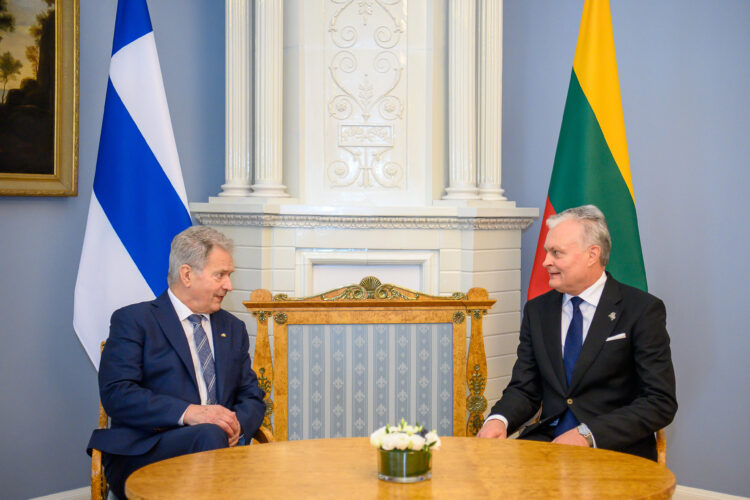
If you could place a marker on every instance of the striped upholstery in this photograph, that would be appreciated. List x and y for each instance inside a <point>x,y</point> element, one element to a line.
<point>348,380</point>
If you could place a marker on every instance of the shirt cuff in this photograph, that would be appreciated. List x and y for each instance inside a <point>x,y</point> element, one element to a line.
<point>182,418</point>
<point>593,441</point>
<point>500,418</point>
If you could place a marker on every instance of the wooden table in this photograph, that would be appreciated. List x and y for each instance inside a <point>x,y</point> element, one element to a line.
<point>347,468</point>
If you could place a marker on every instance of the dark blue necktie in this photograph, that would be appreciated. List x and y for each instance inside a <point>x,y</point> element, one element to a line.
<point>574,338</point>
<point>571,350</point>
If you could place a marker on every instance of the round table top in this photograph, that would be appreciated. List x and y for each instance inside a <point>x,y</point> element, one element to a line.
<point>347,468</point>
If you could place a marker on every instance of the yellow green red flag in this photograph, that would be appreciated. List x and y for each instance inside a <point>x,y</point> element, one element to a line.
<point>591,162</point>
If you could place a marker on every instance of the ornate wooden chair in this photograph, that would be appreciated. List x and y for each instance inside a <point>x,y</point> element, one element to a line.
<point>99,486</point>
<point>352,359</point>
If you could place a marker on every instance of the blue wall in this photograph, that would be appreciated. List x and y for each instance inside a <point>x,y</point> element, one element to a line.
<point>686,96</point>
<point>685,82</point>
<point>48,386</point>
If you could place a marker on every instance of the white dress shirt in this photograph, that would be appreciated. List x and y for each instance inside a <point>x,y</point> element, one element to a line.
<point>590,299</point>
<point>183,312</point>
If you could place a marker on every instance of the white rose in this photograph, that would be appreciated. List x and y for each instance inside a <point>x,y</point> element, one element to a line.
<point>376,438</point>
<point>401,441</point>
<point>416,442</point>
<point>432,437</point>
<point>389,441</point>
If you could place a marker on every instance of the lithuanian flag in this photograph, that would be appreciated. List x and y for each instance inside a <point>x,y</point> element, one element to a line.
<point>591,163</point>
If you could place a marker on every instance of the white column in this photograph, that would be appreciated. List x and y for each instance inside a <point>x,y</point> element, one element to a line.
<point>238,106</point>
<point>490,99</point>
<point>461,100</point>
<point>269,50</point>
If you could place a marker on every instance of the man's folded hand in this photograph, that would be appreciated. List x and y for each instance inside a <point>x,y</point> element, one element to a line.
<point>214,414</point>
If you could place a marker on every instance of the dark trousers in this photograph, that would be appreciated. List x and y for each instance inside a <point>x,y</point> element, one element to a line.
<point>172,443</point>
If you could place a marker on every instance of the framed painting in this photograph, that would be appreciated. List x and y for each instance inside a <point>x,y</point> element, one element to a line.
<point>39,97</point>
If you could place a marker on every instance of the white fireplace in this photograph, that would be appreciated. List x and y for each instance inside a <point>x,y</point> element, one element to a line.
<point>363,138</point>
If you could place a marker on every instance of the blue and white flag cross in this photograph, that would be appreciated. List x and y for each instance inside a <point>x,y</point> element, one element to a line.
<point>139,202</point>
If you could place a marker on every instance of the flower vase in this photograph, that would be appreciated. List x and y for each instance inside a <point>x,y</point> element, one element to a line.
<point>404,466</point>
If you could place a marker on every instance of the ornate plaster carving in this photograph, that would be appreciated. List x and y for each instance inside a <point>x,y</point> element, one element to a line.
<point>365,99</point>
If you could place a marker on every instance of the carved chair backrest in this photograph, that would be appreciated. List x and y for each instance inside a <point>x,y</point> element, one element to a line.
<point>355,328</point>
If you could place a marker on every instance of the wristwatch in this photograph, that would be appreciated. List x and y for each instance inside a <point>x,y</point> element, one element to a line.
<point>584,431</point>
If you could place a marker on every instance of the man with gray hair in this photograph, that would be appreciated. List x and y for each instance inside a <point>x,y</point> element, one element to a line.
<point>593,352</point>
<point>175,374</point>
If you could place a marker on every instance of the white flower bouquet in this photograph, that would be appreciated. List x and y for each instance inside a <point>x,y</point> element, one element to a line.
<point>404,452</point>
<point>404,437</point>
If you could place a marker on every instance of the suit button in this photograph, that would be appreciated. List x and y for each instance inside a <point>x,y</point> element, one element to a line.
<point>569,401</point>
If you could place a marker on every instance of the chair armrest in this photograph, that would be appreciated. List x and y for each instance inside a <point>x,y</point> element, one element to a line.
<point>99,488</point>
<point>264,435</point>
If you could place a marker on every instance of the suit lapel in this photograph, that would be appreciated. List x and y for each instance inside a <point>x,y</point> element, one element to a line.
<point>172,328</point>
<point>601,327</point>
<point>551,335</point>
<point>222,353</point>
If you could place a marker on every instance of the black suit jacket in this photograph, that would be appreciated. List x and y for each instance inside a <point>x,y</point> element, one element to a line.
<point>147,379</point>
<point>623,389</point>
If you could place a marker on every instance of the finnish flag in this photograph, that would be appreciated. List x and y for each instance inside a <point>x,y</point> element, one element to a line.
<point>139,202</point>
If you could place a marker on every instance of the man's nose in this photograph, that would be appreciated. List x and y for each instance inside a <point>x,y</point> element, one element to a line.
<point>228,284</point>
<point>547,260</point>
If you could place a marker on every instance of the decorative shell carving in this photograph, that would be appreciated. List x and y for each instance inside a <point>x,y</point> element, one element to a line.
<point>370,283</point>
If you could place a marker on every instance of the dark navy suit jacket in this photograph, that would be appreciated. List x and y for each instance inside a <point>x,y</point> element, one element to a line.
<point>622,388</point>
<point>147,379</point>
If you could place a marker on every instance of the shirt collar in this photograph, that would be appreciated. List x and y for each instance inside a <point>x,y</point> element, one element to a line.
<point>592,294</point>
<point>180,308</point>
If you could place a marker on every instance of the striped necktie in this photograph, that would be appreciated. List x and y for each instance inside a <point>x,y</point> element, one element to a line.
<point>205,357</point>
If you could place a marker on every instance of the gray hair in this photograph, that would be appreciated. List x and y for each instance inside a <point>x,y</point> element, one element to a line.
<point>595,230</point>
<point>192,247</point>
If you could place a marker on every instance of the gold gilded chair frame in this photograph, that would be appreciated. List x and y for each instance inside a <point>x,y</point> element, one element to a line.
<point>371,302</point>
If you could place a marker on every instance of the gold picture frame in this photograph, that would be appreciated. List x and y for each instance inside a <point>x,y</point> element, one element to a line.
<point>63,180</point>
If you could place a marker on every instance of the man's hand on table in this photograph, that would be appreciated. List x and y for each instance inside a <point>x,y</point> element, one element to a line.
<point>572,437</point>
<point>493,429</point>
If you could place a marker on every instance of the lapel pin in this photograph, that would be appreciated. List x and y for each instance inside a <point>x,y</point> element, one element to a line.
<point>223,335</point>
<point>612,316</point>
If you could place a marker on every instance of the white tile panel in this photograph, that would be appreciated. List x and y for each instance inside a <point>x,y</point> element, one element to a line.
<point>500,366</point>
<point>498,323</point>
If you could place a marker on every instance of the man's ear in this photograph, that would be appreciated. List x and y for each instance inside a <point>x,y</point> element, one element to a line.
<point>186,275</point>
<point>595,252</point>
